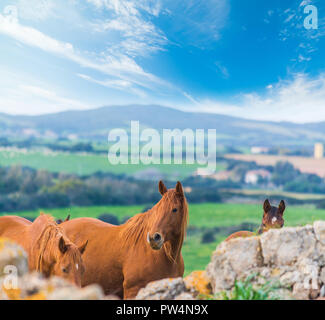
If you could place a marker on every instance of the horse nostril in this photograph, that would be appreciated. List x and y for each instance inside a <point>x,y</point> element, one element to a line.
<point>157,237</point>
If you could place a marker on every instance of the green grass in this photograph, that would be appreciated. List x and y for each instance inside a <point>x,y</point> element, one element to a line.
<point>197,255</point>
<point>84,164</point>
<point>245,290</point>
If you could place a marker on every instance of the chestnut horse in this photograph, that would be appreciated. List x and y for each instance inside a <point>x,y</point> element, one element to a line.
<point>147,247</point>
<point>49,249</point>
<point>272,219</point>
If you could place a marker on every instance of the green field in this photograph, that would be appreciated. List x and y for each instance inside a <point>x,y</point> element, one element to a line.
<point>85,164</point>
<point>197,255</point>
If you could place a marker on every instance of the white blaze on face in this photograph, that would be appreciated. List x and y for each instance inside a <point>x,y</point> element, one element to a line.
<point>274,220</point>
<point>148,239</point>
<point>77,266</point>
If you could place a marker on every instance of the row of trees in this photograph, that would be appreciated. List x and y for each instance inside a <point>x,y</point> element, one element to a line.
<point>24,188</point>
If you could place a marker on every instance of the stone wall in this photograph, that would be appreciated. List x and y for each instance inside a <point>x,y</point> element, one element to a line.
<point>291,258</point>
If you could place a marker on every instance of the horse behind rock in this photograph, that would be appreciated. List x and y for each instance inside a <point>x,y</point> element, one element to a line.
<point>272,219</point>
<point>49,249</point>
<point>123,259</point>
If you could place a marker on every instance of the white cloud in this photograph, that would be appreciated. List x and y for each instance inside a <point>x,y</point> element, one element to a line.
<point>29,99</point>
<point>301,99</point>
<point>293,28</point>
<point>51,97</point>
<point>137,35</point>
<point>222,69</point>
<point>36,10</point>
<point>110,63</point>
<point>196,22</point>
<point>117,84</point>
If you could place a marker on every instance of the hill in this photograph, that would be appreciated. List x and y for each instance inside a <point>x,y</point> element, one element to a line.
<point>95,124</point>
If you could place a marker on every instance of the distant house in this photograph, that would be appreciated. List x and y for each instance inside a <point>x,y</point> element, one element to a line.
<point>259,150</point>
<point>319,151</point>
<point>222,175</point>
<point>219,176</point>
<point>253,176</point>
<point>31,132</point>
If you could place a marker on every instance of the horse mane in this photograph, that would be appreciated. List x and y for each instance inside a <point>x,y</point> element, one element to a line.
<point>135,227</point>
<point>51,230</point>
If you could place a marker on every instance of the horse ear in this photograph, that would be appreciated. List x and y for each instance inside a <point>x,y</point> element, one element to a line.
<point>62,246</point>
<point>83,247</point>
<point>282,206</point>
<point>179,188</point>
<point>67,218</point>
<point>266,205</point>
<point>162,188</point>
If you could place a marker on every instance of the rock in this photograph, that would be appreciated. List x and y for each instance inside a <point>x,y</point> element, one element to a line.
<point>293,259</point>
<point>285,246</point>
<point>322,275</point>
<point>166,289</point>
<point>34,286</point>
<point>281,294</point>
<point>91,292</point>
<point>184,296</point>
<point>13,259</point>
<point>230,259</point>
<point>299,292</point>
<point>319,227</point>
<point>322,292</point>
<point>111,297</point>
<point>198,283</point>
<point>289,278</point>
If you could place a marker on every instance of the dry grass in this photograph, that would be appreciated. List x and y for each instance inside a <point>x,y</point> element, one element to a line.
<point>304,164</point>
<point>275,193</point>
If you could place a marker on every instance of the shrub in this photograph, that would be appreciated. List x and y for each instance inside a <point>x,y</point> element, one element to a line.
<point>109,218</point>
<point>245,290</point>
<point>208,237</point>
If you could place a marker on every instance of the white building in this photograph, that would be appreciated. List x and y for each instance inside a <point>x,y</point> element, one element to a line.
<point>253,176</point>
<point>319,151</point>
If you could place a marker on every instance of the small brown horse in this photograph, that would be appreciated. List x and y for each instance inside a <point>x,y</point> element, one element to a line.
<point>272,219</point>
<point>49,250</point>
<point>123,259</point>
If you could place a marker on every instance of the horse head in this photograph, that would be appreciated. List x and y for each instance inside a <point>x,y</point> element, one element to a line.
<point>55,254</point>
<point>69,264</point>
<point>168,219</point>
<point>272,216</point>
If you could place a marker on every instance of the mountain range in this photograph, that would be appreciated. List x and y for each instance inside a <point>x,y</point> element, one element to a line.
<point>96,123</point>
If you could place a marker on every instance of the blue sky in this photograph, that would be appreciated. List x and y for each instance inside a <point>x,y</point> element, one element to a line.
<point>250,58</point>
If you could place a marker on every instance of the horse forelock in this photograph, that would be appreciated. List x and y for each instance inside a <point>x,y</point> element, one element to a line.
<point>47,242</point>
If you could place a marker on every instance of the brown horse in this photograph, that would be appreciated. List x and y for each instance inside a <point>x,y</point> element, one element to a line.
<point>123,259</point>
<point>49,249</point>
<point>272,219</point>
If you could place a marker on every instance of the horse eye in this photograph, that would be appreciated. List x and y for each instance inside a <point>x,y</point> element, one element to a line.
<point>65,270</point>
<point>175,210</point>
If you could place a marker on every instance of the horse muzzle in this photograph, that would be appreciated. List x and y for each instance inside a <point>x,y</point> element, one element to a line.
<point>156,241</point>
